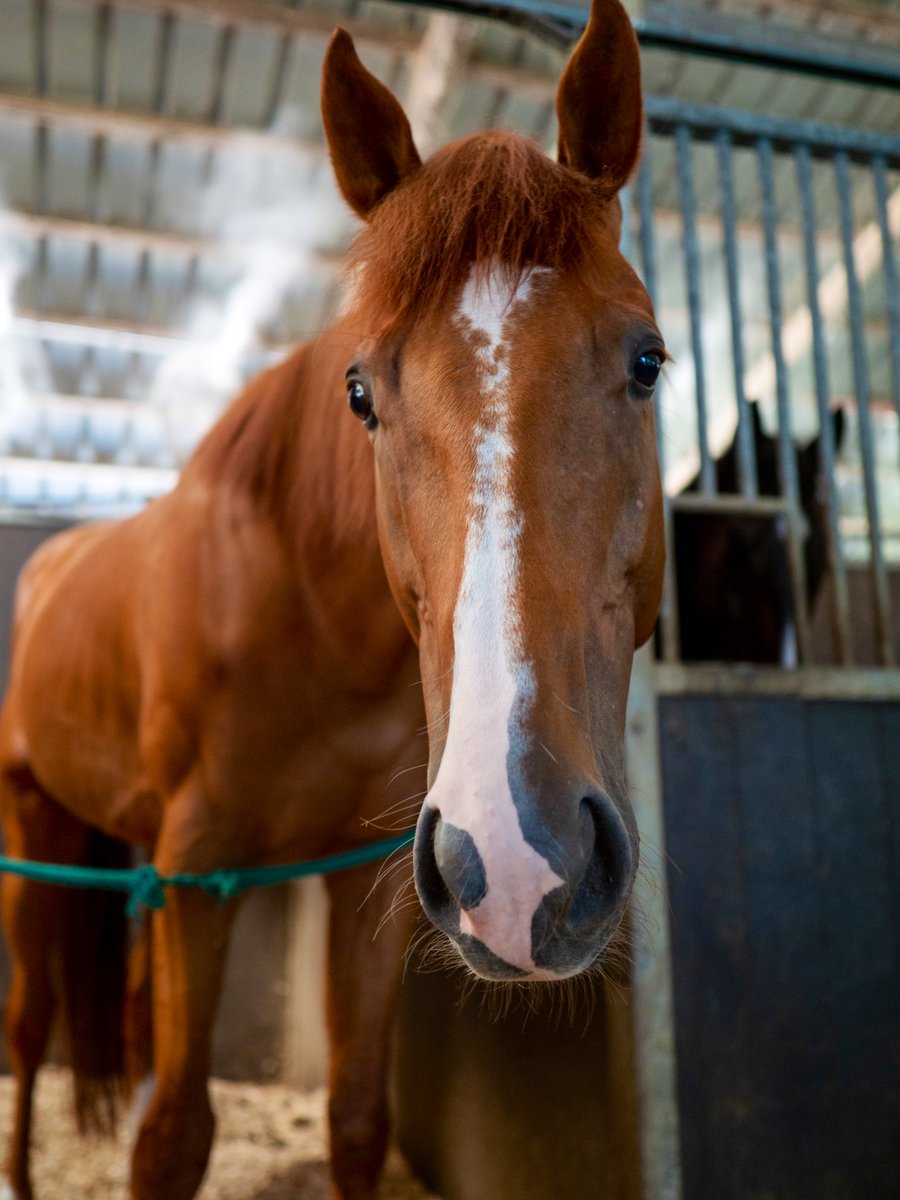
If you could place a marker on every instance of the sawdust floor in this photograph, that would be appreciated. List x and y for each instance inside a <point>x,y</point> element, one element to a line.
<point>270,1145</point>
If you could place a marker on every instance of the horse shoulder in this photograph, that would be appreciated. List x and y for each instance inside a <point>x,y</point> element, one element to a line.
<point>74,693</point>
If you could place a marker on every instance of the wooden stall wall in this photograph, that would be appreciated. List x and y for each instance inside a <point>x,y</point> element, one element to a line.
<point>782,819</point>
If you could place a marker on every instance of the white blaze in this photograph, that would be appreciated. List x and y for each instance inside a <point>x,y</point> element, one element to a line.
<point>491,676</point>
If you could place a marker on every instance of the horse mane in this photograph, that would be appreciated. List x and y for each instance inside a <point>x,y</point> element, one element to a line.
<point>252,443</point>
<point>270,447</point>
<point>492,196</point>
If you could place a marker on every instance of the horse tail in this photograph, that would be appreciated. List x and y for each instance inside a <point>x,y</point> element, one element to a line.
<point>94,959</point>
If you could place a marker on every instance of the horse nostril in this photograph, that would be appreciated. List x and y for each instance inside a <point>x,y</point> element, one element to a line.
<point>430,885</point>
<point>449,871</point>
<point>460,865</point>
<point>610,865</point>
<point>575,921</point>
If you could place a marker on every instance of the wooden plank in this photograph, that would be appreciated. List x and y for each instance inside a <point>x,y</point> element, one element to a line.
<point>783,967</point>
<point>858,1086</point>
<point>703,840</point>
<point>783,823</point>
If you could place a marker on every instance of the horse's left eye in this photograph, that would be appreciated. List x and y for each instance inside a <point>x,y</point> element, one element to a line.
<point>646,369</point>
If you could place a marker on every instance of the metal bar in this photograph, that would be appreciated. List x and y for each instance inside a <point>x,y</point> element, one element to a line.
<point>224,54</point>
<point>864,419</point>
<point>215,114</point>
<point>41,198</point>
<point>279,80</point>
<point>862,11</point>
<point>145,127</point>
<point>724,47</point>
<point>746,447</point>
<point>96,175</point>
<point>665,115</point>
<point>827,683</point>
<point>729,504</point>
<point>837,569</point>
<point>563,22</point>
<point>206,171</point>
<point>141,287</point>
<point>892,292</point>
<point>668,613</point>
<point>646,237</point>
<point>787,457</point>
<point>257,14</point>
<point>39,36</point>
<point>685,167</point>
<point>653,1003</point>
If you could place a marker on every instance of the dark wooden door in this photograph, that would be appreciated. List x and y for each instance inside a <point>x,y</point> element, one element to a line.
<point>782,825</point>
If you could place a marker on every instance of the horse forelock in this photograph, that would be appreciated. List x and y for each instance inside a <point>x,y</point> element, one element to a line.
<point>493,197</point>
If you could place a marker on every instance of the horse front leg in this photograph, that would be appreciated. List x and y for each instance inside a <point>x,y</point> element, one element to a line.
<point>189,944</point>
<point>365,965</point>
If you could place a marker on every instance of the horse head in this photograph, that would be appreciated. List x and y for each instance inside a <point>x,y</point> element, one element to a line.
<point>735,599</point>
<point>502,356</point>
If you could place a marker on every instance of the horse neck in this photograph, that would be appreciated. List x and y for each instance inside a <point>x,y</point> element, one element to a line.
<point>289,448</point>
<point>328,500</point>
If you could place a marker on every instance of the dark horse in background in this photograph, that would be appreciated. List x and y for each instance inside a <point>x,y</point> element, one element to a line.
<point>255,668</point>
<point>735,601</point>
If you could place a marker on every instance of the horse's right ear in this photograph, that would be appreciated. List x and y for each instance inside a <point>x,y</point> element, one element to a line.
<point>368,135</point>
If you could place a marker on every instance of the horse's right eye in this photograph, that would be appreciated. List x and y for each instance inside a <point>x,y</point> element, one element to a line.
<point>361,402</point>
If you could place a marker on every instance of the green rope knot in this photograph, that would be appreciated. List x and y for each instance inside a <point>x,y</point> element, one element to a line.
<point>146,890</point>
<point>223,885</point>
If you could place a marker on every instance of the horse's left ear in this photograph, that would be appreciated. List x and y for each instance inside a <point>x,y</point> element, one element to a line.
<point>368,135</point>
<point>599,99</point>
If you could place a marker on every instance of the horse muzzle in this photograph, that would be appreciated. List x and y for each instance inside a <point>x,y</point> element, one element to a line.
<point>541,904</point>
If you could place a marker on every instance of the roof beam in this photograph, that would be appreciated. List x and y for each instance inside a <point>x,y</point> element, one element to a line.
<point>107,333</point>
<point>139,239</point>
<point>146,127</point>
<point>258,14</point>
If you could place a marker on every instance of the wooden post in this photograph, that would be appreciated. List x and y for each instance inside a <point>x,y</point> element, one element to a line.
<point>652,973</point>
<point>305,1039</point>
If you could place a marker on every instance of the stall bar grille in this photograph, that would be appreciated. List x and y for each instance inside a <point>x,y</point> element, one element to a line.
<point>774,142</point>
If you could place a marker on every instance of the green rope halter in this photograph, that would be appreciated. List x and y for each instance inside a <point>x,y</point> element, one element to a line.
<point>145,886</point>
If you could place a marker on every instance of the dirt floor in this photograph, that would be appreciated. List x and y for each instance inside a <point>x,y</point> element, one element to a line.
<point>270,1145</point>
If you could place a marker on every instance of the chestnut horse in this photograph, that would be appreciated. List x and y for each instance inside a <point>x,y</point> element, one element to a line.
<point>232,677</point>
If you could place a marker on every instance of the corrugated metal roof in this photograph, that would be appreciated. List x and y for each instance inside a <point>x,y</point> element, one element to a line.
<point>171,222</point>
